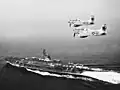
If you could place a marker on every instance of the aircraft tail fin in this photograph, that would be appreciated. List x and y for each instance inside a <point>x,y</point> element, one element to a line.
<point>104,27</point>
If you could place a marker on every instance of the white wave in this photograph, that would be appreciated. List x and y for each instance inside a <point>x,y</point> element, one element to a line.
<point>111,77</point>
<point>17,65</point>
<point>85,78</point>
<point>43,73</point>
<point>97,69</point>
<point>68,76</point>
<point>50,74</point>
<point>57,75</point>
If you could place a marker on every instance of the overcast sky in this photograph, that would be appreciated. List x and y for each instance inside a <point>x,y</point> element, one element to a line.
<point>20,18</point>
<point>46,20</point>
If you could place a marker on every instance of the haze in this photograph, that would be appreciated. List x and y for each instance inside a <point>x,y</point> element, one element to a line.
<point>26,26</point>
